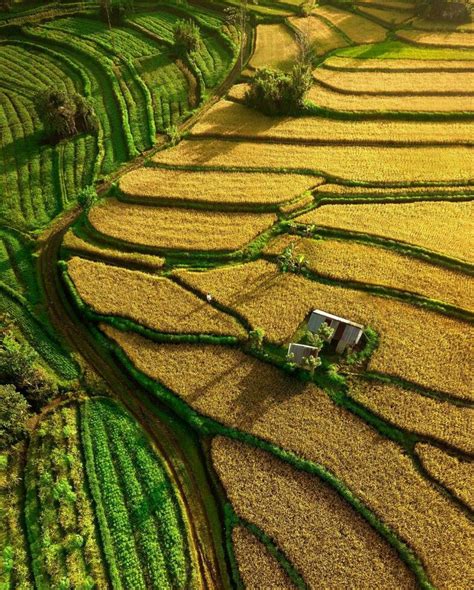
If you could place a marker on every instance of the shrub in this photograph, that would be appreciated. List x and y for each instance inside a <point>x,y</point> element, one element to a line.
<point>65,114</point>
<point>13,416</point>
<point>277,93</point>
<point>87,197</point>
<point>187,36</point>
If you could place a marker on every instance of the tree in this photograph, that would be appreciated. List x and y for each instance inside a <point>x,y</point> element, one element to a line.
<point>114,12</point>
<point>274,92</point>
<point>13,416</point>
<point>64,114</point>
<point>289,261</point>
<point>317,339</point>
<point>311,363</point>
<point>187,36</point>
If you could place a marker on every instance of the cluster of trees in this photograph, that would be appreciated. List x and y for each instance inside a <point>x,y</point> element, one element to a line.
<point>274,92</point>
<point>64,114</point>
<point>24,385</point>
<point>187,36</point>
<point>455,12</point>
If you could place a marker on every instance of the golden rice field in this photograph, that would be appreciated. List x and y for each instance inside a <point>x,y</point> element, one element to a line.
<point>339,190</point>
<point>442,227</point>
<point>339,62</point>
<point>388,17</point>
<point>345,260</point>
<point>77,245</point>
<point>178,228</point>
<point>437,38</point>
<point>275,47</point>
<point>241,391</point>
<point>230,119</point>
<point>456,473</point>
<point>353,162</point>
<point>357,28</point>
<point>237,188</point>
<point>299,511</point>
<point>322,37</point>
<point>331,99</point>
<point>417,413</point>
<point>258,568</point>
<point>396,83</point>
<point>279,303</point>
<point>154,302</point>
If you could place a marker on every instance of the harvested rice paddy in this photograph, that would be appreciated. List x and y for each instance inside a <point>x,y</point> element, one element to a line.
<point>154,302</point>
<point>257,566</point>
<point>339,191</point>
<point>398,83</point>
<point>357,163</point>
<point>232,120</point>
<point>178,228</point>
<point>243,392</point>
<point>348,261</point>
<point>298,511</point>
<point>412,411</point>
<point>455,473</point>
<point>338,62</point>
<point>369,103</point>
<point>149,185</point>
<point>442,227</point>
<point>437,38</point>
<point>357,28</point>
<point>279,303</point>
<point>322,36</point>
<point>275,47</point>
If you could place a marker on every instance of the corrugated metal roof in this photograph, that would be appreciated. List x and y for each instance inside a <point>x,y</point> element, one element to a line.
<point>337,318</point>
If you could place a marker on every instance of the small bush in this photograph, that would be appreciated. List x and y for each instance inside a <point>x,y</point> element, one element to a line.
<point>278,93</point>
<point>187,36</point>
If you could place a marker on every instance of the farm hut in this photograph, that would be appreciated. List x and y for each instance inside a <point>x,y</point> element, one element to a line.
<point>300,352</point>
<point>346,333</point>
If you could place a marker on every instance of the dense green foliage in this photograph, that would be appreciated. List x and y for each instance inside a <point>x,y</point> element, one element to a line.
<point>62,534</point>
<point>140,520</point>
<point>187,36</point>
<point>13,415</point>
<point>278,93</point>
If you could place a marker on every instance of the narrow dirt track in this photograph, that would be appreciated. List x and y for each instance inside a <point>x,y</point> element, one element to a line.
<point>193,482</point>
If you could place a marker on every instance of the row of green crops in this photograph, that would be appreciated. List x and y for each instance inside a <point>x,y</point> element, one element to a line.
<point>63,538</point>
<point>140,518</point>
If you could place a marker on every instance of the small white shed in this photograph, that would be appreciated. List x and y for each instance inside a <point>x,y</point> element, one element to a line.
<point>300,352</point>
<point>346,333</point>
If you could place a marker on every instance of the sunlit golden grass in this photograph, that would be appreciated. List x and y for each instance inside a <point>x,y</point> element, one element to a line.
<point>357,28</point>
<point>249,188</point>
<point>258,568</point>
<point>417,413</point>
<point>321,36</point>
<point>76,244</point>
<point>305,517</point>
<point>410,343</point>
<point>443,227</point>
<point>432,83</point>
<point>231,119</point>
<point>152,301</point>
<point>340,190</point>
<point>351,261</point>
<point>422,65</point>
<point>389,17</point>
<point>437,38</point>
<point>456,474</point>
<point>353,162</point>
<point>179,228</point>
<point>330,99</point>
<point>240,391</point>
<point>275,47</point>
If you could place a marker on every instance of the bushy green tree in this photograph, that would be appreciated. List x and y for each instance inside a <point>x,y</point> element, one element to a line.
<point>187,36</point>
<point>279,93</point>
<point>289,261</point>
<point>13,416</point>
<point>64,114</point>
<point>256,338</point>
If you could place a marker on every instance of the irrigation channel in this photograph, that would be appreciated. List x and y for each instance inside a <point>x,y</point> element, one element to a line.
<point>181,447</point>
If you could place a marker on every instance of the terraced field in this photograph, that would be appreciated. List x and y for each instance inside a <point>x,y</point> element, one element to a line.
<point>360,470</point>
